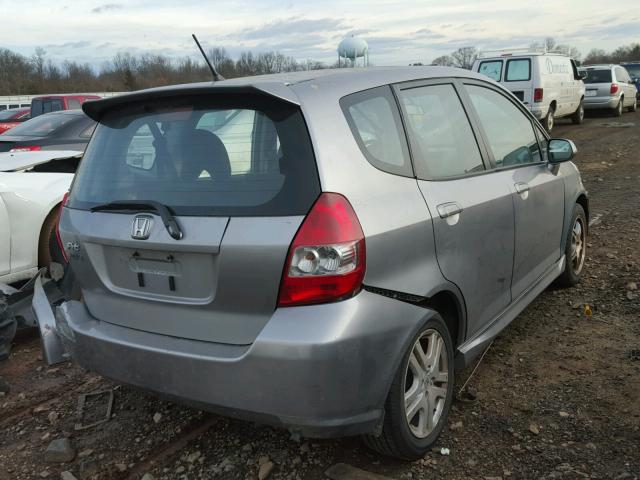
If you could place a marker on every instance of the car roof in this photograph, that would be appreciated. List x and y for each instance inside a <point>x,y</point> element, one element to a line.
<point>602,66</point>
<point>67,95</point>
<point>76,112</point>
<point>293,87</point>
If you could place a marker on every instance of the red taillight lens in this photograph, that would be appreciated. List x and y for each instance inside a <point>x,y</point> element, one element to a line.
<point>614,88</point>
<point>538,94</point>
<point>65,199</point>
<point>28,148</point>
<point>326,260</point>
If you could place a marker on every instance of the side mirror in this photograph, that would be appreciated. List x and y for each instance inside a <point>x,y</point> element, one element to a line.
<point>561,150</point>
<point>582,75</point>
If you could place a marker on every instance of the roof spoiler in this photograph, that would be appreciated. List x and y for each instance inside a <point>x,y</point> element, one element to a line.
<point>95,109</point>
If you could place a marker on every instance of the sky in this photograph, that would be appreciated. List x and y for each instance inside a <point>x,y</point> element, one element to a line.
<point>398,32</point>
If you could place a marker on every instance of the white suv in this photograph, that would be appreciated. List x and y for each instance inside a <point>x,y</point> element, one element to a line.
<point>549,84</point>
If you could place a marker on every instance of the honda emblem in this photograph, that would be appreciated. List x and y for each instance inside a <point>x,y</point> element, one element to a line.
<point>141,227</point>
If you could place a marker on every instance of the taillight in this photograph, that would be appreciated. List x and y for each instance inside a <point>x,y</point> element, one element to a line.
<point>65,199</point>
<point>614,88</point>
<point>326,260</point>
<point>538,94</point>
<point>27,148</point>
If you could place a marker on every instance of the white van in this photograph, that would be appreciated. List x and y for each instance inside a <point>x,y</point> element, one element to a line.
<point>549,84</point>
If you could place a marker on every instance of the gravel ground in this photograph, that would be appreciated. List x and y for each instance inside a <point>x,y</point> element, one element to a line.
<point>557,393</point>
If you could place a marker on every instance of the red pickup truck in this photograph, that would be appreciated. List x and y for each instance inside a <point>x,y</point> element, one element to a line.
<point>13,117</point>
<point>53,103</point>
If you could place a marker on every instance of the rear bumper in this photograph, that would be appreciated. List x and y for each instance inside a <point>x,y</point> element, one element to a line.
<point>592,103</point>
<point>539,111</point>
<point>320,371</point>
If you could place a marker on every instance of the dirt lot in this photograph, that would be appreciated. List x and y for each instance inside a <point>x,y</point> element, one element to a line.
<point>558,393</point>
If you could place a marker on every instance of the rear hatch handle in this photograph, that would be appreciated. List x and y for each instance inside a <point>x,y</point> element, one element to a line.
<point>170,222</point>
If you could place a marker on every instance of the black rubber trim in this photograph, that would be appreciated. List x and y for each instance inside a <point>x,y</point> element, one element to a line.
<point>403,297</point>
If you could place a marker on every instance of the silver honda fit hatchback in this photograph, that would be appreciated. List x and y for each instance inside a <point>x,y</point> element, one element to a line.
<point>319,250</point>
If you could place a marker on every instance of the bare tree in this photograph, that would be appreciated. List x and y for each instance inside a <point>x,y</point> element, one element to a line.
<point>464,57</point>
<point>444,61</point>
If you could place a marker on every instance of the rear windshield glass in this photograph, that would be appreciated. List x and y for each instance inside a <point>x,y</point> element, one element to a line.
<point>38,107</point>
<point>233,155</point>
<point>598,76</point>
<point>518,70</point>
<point>10,114</point>
<point>43,125</point>
<point>492,69</point>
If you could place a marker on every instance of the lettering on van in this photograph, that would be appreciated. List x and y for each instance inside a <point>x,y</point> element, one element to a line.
<point>556,68</point>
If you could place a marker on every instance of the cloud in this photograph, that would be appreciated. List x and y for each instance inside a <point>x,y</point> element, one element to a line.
<point>107,7</point>
<point>291,26</point>
<point>69,45</point>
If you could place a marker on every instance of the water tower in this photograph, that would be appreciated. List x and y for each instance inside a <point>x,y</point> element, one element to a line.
<point>352,48</point>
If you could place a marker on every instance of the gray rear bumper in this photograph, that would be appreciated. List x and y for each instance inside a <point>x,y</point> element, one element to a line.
<point>320,371</point>
<point>592,103</point>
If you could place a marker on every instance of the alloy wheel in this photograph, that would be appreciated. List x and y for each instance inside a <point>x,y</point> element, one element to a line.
<point>578,246</point>
<point>426,383</point>
<point>550,122</point>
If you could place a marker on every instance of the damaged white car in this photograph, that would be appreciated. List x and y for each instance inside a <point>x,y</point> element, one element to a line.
<point>32,186</point>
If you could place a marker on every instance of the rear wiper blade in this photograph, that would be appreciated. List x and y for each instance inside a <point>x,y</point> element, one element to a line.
<point>170,223</point>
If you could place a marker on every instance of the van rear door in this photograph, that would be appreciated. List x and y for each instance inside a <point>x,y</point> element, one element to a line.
<point>236,173</point>
<point>518,78</point>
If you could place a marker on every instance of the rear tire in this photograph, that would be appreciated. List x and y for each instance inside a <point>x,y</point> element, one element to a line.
<point>420,397</point>
<point>578,116</point>
<point>617,112</point>
<point>49,250</point>
<point>548,121</point>
<point>575,249</point>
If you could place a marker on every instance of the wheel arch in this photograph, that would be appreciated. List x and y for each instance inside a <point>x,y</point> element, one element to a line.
<point>451,308</point>
<point>583,201</point>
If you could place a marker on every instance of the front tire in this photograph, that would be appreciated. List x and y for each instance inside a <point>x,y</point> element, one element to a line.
<point>576,249</point>
<point>634,107</point>
<point>578,116</point>
<point>420,397</point>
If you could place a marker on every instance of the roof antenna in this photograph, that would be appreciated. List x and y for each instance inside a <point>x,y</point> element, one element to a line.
<point>216,76</point>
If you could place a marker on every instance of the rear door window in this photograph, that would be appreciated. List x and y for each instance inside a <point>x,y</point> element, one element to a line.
<point>211,155</point>
<point>509,131</point>
<point>73,103</point>
<point>492,69</point>
<point>518,70</point>
<point>375,123</point>
<point>442,142</point>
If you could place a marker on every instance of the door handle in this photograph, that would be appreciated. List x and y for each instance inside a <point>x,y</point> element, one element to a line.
<point>449,209</point>
<point>522,187</point>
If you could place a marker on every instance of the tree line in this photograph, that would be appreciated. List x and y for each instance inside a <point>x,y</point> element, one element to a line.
<point>125,72</point>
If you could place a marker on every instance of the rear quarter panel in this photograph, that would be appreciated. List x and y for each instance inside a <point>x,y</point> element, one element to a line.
<point>393,214</point>
<point>29,198</point>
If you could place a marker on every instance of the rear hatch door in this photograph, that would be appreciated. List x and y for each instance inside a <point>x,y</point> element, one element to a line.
<point>598,83</point>
<point>235,172</point>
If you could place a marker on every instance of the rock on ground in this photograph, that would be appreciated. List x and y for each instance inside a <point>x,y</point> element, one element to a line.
<point>60,451</point>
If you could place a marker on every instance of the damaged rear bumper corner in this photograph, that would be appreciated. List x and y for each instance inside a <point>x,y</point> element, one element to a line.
<point>52,345</point>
